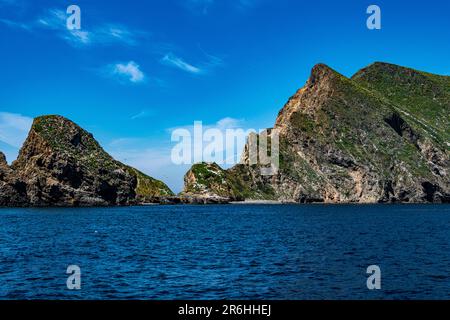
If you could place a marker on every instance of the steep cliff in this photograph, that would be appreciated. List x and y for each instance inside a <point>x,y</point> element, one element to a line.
<point>60,164</point>
<point>381,136</point>
<point>12,190</point>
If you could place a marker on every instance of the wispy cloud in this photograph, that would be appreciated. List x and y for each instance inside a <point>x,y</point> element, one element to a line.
<point>78,37</point>
<point>55,19</point>
<point>117,33</point>
<point>104,34</point>
<point>14,128</point>
<point>205,67</point>
<point>16,25</point>
<point>172,60</point>
<point>129,72</point>
<point>211,61</point>
<point>142,114</point>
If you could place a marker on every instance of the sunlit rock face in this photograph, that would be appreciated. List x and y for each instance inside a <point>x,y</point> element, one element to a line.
<point>381,136</point>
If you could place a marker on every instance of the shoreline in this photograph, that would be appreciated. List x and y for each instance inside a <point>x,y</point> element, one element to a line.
<point>232,203</point>
<point>249,202</point>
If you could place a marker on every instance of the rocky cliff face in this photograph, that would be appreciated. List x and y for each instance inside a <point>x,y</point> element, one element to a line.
<point>60,164</point>
<point>12,190</point>
<point>381,136</point>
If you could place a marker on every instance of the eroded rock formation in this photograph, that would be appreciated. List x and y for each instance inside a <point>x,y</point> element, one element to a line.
<point>60,164</point>
<point>381,136</point>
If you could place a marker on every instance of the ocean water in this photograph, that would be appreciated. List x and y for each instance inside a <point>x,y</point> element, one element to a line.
<point>227,252</point>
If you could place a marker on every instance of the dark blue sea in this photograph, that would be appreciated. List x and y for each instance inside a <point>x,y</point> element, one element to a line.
<point>227,252</point>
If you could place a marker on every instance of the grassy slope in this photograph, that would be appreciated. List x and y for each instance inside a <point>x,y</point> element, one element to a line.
<point>423,99</point>
<point>353,121</point>
<point>233,183</point>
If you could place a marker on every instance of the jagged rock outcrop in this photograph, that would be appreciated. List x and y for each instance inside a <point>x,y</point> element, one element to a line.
<point>381,136</point>
<point>12,190</point>
<point>60,164</point>
<point>208,180</point>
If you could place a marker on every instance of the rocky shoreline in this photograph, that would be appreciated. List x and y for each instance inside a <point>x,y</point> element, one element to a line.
<point>197,200</point>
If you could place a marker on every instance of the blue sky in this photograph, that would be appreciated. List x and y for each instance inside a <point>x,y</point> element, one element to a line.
<point>137,68</point>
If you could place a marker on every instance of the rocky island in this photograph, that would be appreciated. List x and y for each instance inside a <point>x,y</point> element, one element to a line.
<point>381,136</point>
<point>60,164</point>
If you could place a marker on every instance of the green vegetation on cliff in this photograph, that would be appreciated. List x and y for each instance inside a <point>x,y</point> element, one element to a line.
<point>148,187</point>
<point>423,99</point>
<point>209,179</point>
<point>61,164</point>
<point>381,136</point>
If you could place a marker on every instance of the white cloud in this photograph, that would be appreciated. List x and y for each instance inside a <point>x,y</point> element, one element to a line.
<point>210,62</point>
<point>16,25</point>
<point>130,71</point>
<point>171,60</point>
<point>116,33</point>
<point>103,34</point>
<point>229,123</point>
<point>142,114</point>
<point>14,128</point>
<point>55,20</point>
<point>78,37</point>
